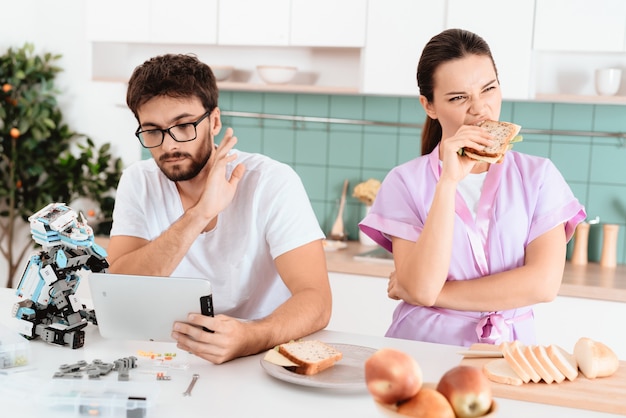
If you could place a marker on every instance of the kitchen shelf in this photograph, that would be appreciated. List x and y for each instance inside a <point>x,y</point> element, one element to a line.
<point>268,88</point>
<point>320,70</point>
<point>286,88</point>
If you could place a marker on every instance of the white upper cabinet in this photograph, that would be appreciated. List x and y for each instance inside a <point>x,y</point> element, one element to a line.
<point>329,23</point>
<point>152,21</point>
<point>320,23</point>
<point>580,25</point>
<point>507,28</point>
<point>397,30</point>
<point>254,22</point>
<point>118,21</point>
<point>186,22</point>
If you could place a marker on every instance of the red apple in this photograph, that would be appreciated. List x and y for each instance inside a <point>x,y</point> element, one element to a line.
<point>427,403</point>
<point>468,390</point>
<point>392,376</point>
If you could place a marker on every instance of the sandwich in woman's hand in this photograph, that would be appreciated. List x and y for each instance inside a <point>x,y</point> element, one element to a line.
<point>504,135</point>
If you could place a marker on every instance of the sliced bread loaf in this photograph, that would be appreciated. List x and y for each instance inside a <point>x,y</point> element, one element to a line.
<point>595,359</point>
<point>517,352</point>
<point>563,361</point>
<point>514,363</point>
<point>311,356</point>
<point>534,361</point>
<point>544,359</point>
<point>500,371</point>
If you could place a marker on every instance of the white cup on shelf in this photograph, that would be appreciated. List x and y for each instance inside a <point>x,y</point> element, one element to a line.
<point>608,81</point>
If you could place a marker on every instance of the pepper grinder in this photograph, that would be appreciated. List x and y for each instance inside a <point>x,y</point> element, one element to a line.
<point>609,245</point>
<point>581,240</point>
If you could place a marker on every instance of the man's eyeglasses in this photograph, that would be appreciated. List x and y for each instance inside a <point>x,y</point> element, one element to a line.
<point>185,132</point>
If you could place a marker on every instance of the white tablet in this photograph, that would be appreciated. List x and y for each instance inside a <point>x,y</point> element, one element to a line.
<point>145,308</point>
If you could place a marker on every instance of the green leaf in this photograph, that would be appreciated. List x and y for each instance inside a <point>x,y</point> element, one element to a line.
<point>49,123</point>
<point>51,161</point>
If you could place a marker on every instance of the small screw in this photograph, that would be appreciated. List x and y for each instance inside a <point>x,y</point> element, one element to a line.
<point>194,378</point>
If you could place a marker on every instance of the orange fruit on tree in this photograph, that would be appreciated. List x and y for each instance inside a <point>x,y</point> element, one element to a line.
<point>7,87</point>
<point>15,133</point>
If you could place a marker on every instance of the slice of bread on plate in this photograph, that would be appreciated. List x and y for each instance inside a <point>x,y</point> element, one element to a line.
<point>595,359</point>
<point>274,357</point>
<point>311,356</point>
<point>565,362</point>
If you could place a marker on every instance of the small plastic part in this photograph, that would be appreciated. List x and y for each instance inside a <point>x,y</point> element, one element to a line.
<point>14,349</point>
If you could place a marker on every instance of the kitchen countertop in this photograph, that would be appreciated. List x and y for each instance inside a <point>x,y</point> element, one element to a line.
<point>239,388</point>
<point>590,281</point>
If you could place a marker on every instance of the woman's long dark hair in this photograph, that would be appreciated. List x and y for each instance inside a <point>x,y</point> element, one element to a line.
<point>449,45</point>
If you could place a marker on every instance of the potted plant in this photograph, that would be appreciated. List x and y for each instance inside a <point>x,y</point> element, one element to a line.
<point>41,159</point>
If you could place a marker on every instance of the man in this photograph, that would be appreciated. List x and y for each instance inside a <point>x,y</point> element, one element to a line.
<point>241,220</point>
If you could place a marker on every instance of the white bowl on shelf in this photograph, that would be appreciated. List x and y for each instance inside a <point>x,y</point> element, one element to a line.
<point>276,74</point>
<point>222,72</point>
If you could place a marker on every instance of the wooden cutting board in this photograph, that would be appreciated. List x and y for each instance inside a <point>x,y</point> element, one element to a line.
<point>606,394</point>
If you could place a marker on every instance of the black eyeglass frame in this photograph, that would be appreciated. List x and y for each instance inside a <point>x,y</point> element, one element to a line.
<point>138,132</point>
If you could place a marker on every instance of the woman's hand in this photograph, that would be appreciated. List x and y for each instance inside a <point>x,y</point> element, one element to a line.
<point>455,167</point>
<point>395,290</point>
<point>392,287</point>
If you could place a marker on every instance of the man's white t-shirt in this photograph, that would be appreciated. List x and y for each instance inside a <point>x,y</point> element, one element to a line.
<point>269,215</point>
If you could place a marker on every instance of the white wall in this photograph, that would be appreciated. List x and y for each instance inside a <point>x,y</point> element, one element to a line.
<point>91,108</point>
<point>566,319</point>
<point>88,107</point>
<point>360,304</point>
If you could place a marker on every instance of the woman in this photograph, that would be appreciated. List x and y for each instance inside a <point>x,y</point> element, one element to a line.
<point>475,245</point>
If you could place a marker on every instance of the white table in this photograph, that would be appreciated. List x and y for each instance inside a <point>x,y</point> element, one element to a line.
<point>240,388</point>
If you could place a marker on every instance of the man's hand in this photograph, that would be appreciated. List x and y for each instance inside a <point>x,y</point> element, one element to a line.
<point>226,342</point>
<point>219,191</point>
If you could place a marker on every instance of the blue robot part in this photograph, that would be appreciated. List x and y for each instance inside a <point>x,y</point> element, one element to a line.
<point>48,307</point>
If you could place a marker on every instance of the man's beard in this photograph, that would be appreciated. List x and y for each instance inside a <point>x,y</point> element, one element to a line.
<point>176,173</point>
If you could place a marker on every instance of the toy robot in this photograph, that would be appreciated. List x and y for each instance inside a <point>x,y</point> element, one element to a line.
<point>48,307</point>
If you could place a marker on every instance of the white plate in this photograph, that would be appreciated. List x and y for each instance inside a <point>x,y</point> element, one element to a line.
<point>347,374</point>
